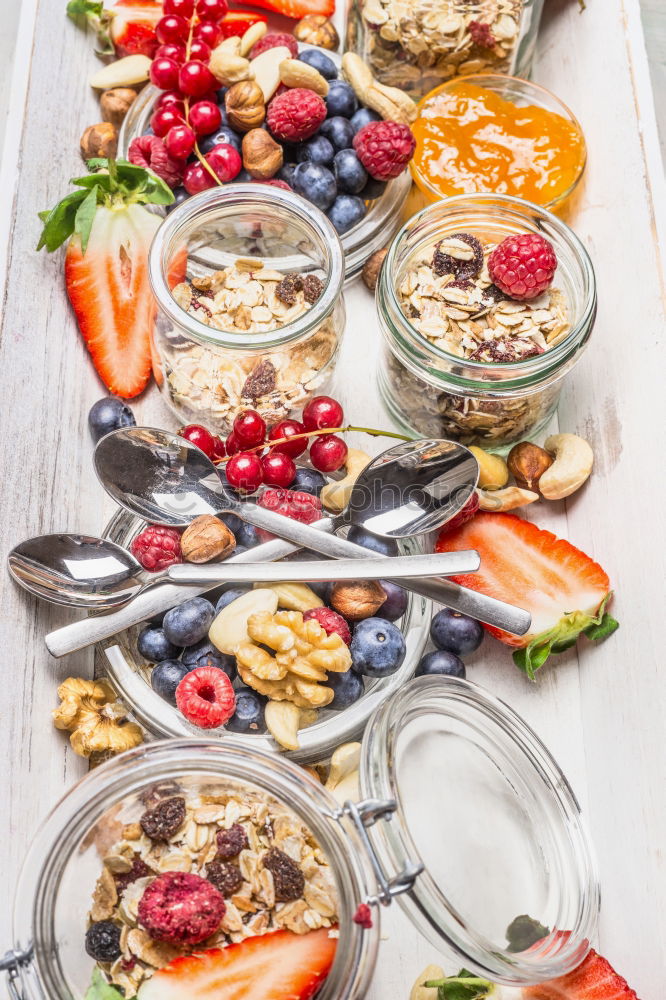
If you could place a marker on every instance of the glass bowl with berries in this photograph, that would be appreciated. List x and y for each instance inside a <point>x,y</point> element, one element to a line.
<point>282,113</point>
<point>206,869</point>
<point>485,302</point>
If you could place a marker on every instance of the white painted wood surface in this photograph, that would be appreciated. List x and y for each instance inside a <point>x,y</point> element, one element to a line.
<point>602,710</point>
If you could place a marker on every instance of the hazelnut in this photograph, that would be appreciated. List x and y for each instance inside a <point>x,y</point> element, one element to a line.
<point>206,539</point>
<point>99,140</point>
<point>315,29</point>
<point>372,267</point>
<point>359,600</point>
<point>114,104</point>
<point>262,155</point>
<point>245,105</point>
<point>527,463</point>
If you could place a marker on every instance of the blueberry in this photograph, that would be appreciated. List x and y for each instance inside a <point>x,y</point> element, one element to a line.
<point>230,595</point>
<point>308,481</point>
<point>341,99</point>
<point>243,177</point>
<point>348,688</point>
<point>349,172</point>
<point>154,646</point>
<point>227,664</point>
<point>103,941</point>
<point>360,536</point>
<point>219,96</point>
<point>373,189</point>
<point>192,654</point>
<point>455,632</point>
<point>247,535</point>
<point>109,414</point>
<point>363,117</point>
<point>346,212</point>
<point>189,622</point>
<point>316,150</point>
<point>339,132</point>
<point>233,523</point>
<point>239,549</point>
<point>166,677</point>
<point>223,134</point>
<point>395,604</point>
<point>316,183</point>
<point>324,65</point>
<point>286,173</point>
<point>179,196</point>
<point>249,714</point>
<point>377,648</point>
<point>440,661</point>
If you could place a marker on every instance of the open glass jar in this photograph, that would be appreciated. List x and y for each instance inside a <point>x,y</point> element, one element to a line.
<point>418,44</point>
<point>430,390</point>
<point>284,345</point>
<point>462,881</point>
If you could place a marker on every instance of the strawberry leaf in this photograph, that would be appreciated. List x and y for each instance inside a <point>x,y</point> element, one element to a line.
<point>60,222</point>
<point>606,627</point>
<point>84,217</point>
<point>564,635</point>
<point>464,986</point>
<point>84,8</point>
<point>92,13</point>
<point>523,932</point>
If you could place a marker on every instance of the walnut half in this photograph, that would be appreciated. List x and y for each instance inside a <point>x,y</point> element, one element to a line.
<point>96,721</point>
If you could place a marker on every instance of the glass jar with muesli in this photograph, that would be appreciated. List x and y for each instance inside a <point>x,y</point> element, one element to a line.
<point>418,44</point>
<point>464,358</point>
<point>250,312</point>
<point>187,863</point>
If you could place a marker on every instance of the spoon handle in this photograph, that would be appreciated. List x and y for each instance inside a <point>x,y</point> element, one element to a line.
<point>328,570</point>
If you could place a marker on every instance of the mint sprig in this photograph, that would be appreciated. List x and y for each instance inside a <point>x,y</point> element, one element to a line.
<point>99,989</point>
<point>114,184</point>
<point>464,986</point>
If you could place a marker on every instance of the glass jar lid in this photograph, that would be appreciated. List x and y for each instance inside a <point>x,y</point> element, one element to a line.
<point>483,809</point>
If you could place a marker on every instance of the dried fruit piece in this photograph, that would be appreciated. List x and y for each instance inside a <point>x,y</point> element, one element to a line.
<point>138,870</point>
<point>231,842</point>
<point>164,819</point>
<point>463,261</point>
<point>103,941</point>
<point>482,35</point>
<point>287,876</point>
<point>288,288</point>
<point>312,288</point>
<point>226,877</point>
<point>181,908</point>
<point>261,380</point>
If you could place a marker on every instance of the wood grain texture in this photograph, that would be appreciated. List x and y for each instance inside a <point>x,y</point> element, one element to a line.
<point>601,710</point>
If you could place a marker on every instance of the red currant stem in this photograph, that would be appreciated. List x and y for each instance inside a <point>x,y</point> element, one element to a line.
<point>373,431</point>
<point>199,155</point>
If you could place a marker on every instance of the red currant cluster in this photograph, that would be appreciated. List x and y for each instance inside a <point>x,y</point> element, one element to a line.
<point>256,455</point>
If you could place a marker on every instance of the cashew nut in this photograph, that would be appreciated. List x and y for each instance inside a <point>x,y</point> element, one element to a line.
<point>344,761</point>
<point>498,501</point>
<point>293,596</point>
<point>572,466</point>
<point>228,67</point>
<point>349,789</point>
<point>421,992</point>
<point>283,720</point>
<point>389,102</point>
<point>335,496</point>
<point>493,470</point>
<point>252,36</point>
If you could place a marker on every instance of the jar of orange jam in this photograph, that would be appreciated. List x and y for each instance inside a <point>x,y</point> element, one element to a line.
<point>497,135</point>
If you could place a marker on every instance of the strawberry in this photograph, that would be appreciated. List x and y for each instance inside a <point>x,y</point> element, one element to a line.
<point>296,8</point>
<point>236,22</point>
<point>106,267</point>
<point>593,979</point>
<point>124,28</point>
<point>277,966</point>
<point>563,589</point>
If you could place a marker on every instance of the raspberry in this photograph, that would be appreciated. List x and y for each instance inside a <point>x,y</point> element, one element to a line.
<point>271,41</point>
<point>296,114</point>
<point>481,34</point>
<point>150,152</point>
<point>292,503</point>
<point>157,547</point>
<point>363,916</point>
<point>523,265</point>
<point>330,621</point>
<point>384,148</point>
<point>206,698</point>
<point>181,908</point>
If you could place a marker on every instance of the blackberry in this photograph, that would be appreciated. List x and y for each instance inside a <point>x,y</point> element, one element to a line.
<point>103,941</point>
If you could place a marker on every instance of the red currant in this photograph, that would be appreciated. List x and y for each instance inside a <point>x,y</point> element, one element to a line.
<point>164,73</point>
<point>199,50</point>
<point>185,8</point>
<point>195,79</point>
<point>164,119</point>
<point>249,429</point>
<point>322,412</point>
<point>171,97</point>
<point>287,429</point>
<point>208,32</point>
<point>179,142</point>
<point>205,117</point>
<point>171,28</point>
<point>225,161</point>
<point>220,451</point>
<point>171,51</point>
<point>244,472</point>
<point>278,469</point>
<point>328,453</point>
<point>212,10</point>
<point>232,445</point>
<point>196,178</point>
<point>200,436</point>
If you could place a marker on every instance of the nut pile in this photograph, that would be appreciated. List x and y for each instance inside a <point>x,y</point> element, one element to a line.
<point>204,870</point>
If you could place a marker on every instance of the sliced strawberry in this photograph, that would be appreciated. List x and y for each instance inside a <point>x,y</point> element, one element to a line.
<point>296,8</point>
<point>593,979</point>
<point>132,26</point>
<point>277,966</point>
<point>236,22</point>
<point>564,590</point>
<point>110,293</point>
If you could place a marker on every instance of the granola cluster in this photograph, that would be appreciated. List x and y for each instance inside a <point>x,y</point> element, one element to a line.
<point>418,44</point>
<point>255,852</point>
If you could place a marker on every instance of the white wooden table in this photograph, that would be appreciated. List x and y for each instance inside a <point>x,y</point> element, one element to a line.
<point>601,710</point>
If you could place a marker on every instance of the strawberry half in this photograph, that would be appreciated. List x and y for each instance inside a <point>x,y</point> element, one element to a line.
<point>296,8</point>
<point>593,979</point>
<point>277,966</point>
<point>564,590</point>
<point>132,26</point>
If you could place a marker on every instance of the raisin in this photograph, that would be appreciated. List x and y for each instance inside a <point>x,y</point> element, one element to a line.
<point>492,294</point>
<point>444,263</point>
<point>287,876</point>
<point>103,941</point>
<point>288,288</point>
<point>139,869</point>
<point>231,842</point>
<point>503,350</point>
<point>261,380</point>
<point>312,288</point>
<point>163,821</point>
<point>153,794</point>
<point>224,876</point>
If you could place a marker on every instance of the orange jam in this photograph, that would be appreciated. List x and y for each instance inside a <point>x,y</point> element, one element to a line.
<point>470,139</point>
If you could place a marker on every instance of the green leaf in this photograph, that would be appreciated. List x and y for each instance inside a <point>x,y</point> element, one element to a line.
<point>606,627</point>
<point>94,15</point>
<point>84,217</point>
<point>60,222</point>
<point>523,932</point>
<point>99,989</point>
<point>84,8</point>
<point>464,986</point>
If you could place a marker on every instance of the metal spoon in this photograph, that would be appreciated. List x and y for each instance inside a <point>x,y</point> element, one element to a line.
<point>96,574</point>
